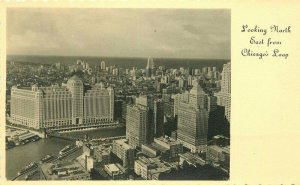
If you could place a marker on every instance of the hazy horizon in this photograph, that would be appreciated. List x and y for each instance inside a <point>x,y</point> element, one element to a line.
<point>94,56</point>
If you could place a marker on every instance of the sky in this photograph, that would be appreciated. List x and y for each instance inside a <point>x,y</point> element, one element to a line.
<point>157,33</point>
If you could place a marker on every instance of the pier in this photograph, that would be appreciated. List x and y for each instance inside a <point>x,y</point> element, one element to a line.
<point>40,134</point>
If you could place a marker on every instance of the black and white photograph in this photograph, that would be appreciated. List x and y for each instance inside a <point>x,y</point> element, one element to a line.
<point>117,94</point>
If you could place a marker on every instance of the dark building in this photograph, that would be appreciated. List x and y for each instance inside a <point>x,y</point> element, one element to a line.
<point>148,103</point>
<point>124,110</point>
<point>118,111</point>
<point>158,118</point>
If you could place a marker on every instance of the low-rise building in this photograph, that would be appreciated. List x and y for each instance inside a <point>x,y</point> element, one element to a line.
<point>191,159</point>
<point>220,140</point>
<point>65,171</point>
<point>219,156</point>
<point>115,171</point>
<point>150,168</point>
<point>124,151</point>
<point>172,145</point>
<point>87,162</point>
<point>149,151</point>
<point>102,155</point>
<point>215,153</point>
<point>154,174</point>
<point>142,165</point>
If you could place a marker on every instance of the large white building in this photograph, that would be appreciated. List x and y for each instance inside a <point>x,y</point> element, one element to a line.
<point>63,107</point>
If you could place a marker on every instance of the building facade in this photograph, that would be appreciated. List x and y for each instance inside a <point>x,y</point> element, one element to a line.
<point>158,118</point>
<point>124,152</point>
<point>193,119</point>
<point>59,107</point>
<point>137,124</point>
<point>219,155</point>
<point>150,168</point>
<point>224,96</point>
<point>174,147</point>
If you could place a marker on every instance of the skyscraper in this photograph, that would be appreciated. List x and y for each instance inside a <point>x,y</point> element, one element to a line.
<point>148,102</point>
<point>149,67</point>
<point>102,65</point>
<point>226,78</point>
<point>136,125</point>
<point>192,119</point>
<point>224,96</point>
<point>158,118</point>
<point>150,63</point>
<point>197,97</point>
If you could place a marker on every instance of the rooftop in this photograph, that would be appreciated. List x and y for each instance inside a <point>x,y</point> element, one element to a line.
<point>25,88</point>
<point>123,143</point>
<point>73,169</point>
<point>220,136</point>
<point>75,78</point>
<point>146,161</point>
<point>159,147</point>
<point>167,140</point>
<point>159,170</point>
<point>219,149</point>
<point>192,158</point>
<point>102,149</point>
<point>115,167</point>
<point>112,167</point>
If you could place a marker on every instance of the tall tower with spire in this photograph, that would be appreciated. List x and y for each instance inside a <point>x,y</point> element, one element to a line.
<point>149,67</point>
<point>102,65</point>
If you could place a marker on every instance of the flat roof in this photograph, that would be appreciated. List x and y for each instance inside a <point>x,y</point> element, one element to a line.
<point>112,167</point>
<point>159,147</point>
<point>148,146</point>
<point>123,143</point>
<point>168,140</point>
<point>192,158</point>
<point>220,136</point>
<point>159,170</point>
<point>218,148</point>
<point>25,88</point>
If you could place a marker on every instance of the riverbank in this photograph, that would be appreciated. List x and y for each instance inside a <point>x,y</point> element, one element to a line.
<point>96,133</point>
<point>16,137</point>
<point>18,157</point>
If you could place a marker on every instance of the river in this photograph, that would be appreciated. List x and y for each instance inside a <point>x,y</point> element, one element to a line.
<point>18,157</point>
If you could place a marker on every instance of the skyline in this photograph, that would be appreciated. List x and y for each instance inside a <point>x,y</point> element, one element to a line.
<point>171,121</point>
<point>122,34</point>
